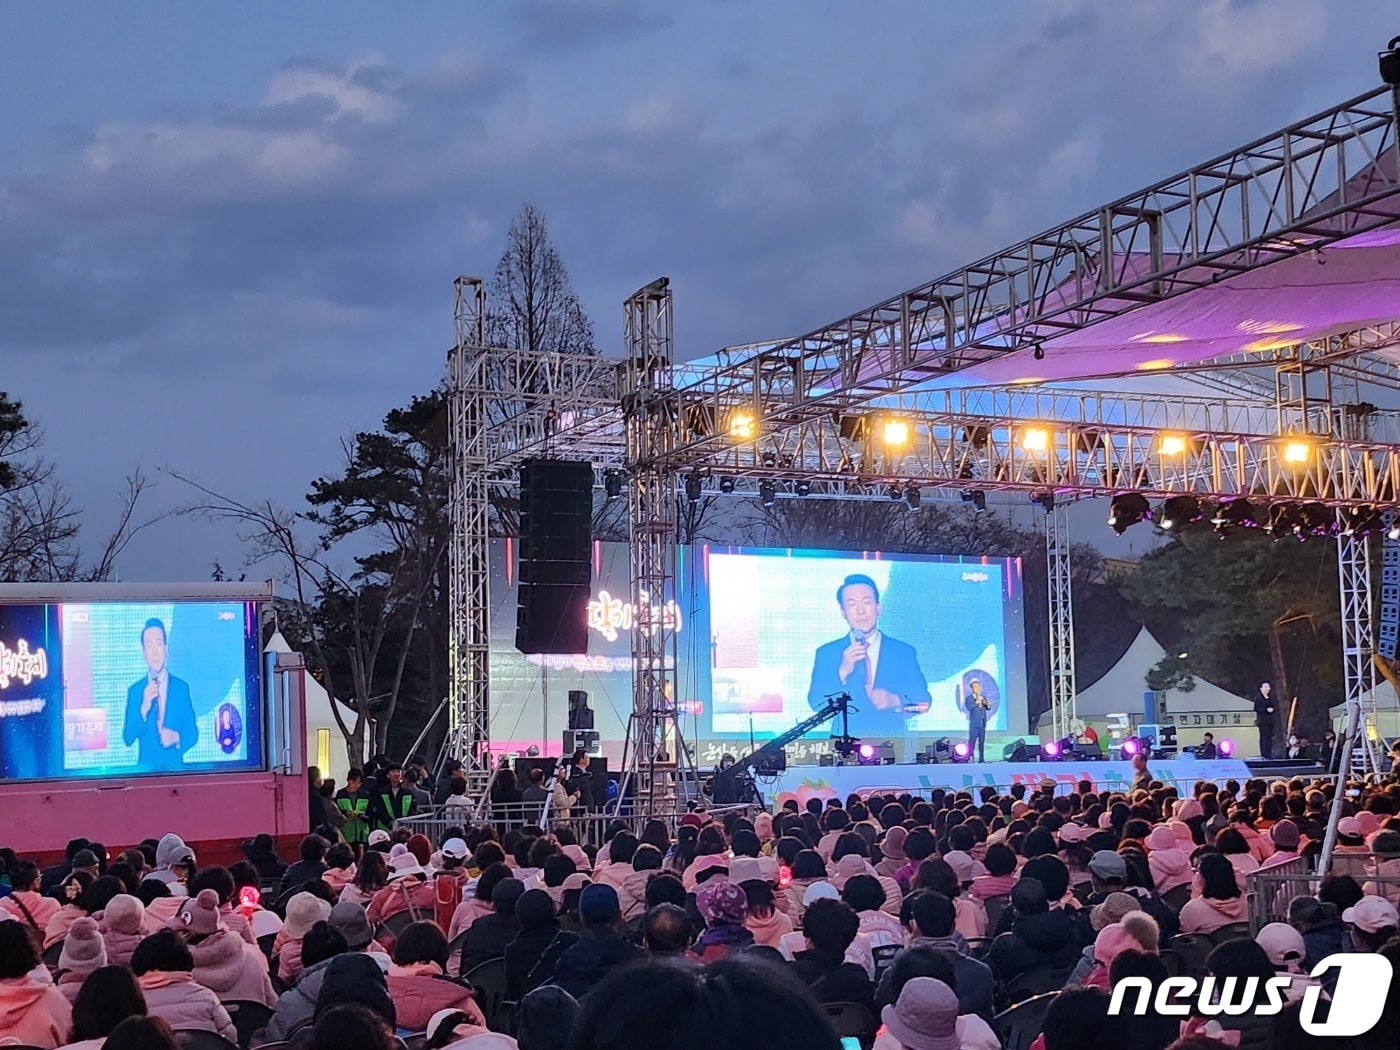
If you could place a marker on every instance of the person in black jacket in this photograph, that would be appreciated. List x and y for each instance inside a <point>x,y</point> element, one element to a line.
<point>488,936</point>
<point>829,927</point>
<point>526,965</point>
<point>262,854</point>
<point>601,949</point>
<point>1040,936</point>
<point>311,866</point>
<point>1265,709</point>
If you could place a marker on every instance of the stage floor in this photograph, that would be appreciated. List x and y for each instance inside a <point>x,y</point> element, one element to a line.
<point>804,782</point>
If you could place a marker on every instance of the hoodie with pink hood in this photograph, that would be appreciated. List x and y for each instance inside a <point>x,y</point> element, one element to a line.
<point>33,1014</point>
<point>1169,863</point>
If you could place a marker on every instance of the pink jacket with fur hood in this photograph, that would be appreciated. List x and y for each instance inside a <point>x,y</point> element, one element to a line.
<point>232,969</point>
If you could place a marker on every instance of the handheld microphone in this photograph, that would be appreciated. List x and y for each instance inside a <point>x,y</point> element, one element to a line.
<point>857,636</point>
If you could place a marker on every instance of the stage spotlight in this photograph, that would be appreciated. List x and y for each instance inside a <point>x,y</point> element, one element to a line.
<point>895,492</point>
<point>1394,532</point>
<point>961,752</point>
<point>692,487</point>
<point>1178,512</point>
<point>1296,452</point>
<point>976,497</point>
<point>742,426</point>
<point>1171,445</point>
<point>1131,747</point>
<point>977,437</point>
<point>1389,60</point>
<point>769,459</point>
<point>1361,521</point>
<point>1044,499</point>
<point>1035,439</point>
<point>726,485</point>
<point>1314,519</point>
<point>1282,518</point>
<point>867,754</point>
<point>1235,512</point>
<point>895,432</point>
<point>913,496</point>
<point>767,492</point>
<point>612,483</point>
<point>1127,509</point>
<point>1050,751</point>
<point>1226,748</point>
<point>803,487</point>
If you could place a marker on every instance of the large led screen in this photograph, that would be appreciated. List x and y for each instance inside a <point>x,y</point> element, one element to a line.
<point>122,689</point>
<point>913,640</point>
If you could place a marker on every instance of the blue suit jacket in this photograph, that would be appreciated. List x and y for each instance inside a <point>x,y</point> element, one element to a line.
<point>179,716</point>
<point>897,671</point>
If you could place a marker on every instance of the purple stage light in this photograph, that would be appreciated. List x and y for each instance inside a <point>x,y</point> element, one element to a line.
<point>867,751</point>
<point>962,750</point>
<point>1226,749</point>
<point>1131,746</point>
<point>1050,750</point>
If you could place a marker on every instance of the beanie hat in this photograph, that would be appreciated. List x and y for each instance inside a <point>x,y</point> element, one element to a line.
<point>85,858</point>
<point>356,978</point>
<point>534,909</point>
<point>350,922</point>
<point>83,950</point>
<point>1285,835</point>
<point>1144,930</point>
<point>199,915</point>
<point>505,894</point>
<point>421,847</point>
<point>124,914</point>
<point>598,904</point>
<point>720,900</point>
<point>304,911</point>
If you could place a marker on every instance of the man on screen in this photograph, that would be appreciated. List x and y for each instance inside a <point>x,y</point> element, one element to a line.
<point>881,673</point>
<point>159,715</point>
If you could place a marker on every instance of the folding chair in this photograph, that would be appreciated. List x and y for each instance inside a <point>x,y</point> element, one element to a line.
<point>1017,1026</point>
<point>249,1018</point>
<point>202,1039</point>
<point>488,980</point>
<point>852,1019</point>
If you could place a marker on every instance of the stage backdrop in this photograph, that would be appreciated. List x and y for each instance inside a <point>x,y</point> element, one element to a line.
<point>757,648</point>
<point>804,782</point>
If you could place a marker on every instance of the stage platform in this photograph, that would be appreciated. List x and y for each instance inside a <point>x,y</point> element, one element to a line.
<point>804,782</point>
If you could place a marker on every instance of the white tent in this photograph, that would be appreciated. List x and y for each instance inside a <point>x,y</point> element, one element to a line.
<point>1121,689</point>
<point>325,745</point>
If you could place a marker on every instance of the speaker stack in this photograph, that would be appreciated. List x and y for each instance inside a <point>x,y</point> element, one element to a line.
<point>1388,636</point>
<point>556,570</point>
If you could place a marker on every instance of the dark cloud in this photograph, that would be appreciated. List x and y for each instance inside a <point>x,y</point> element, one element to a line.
<point>289,263</point>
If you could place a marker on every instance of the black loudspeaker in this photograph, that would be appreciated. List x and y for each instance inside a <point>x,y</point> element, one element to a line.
<point>1026,753</point>
<point>556,570</point>
<point>1388,637</point>
<point>580,714</point>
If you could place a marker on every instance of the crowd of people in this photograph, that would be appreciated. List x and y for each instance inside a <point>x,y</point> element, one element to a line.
<point>904,923</point>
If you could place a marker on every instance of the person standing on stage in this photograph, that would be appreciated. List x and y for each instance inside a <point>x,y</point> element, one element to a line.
<point>978,706</point>
<point>1264,719</point>
<point>1206,748</point>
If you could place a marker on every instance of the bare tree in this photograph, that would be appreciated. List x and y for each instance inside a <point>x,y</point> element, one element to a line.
<point>533,306</point>
<point>39,522</point>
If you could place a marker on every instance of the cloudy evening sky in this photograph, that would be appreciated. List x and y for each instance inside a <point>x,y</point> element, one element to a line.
<point>228,232</point>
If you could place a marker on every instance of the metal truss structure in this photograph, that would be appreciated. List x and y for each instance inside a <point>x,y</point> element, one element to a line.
<point>1282,422</point>
<point>1062,691</point>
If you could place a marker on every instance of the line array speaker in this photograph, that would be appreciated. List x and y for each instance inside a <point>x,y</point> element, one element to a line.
<point>556,570</point>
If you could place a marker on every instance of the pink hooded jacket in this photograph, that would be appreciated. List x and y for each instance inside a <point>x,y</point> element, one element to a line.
<point>769,931</point>
<point>33,1014</point>
<point>182,1003</point>
<point>1170,868</point>
<point>1206,914</point>
<point>122,929</point>
<point>40,908</point>
<point>232,969</point>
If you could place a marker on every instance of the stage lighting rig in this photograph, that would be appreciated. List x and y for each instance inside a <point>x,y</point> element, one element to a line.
<point>767,492</point>
<point>1127,509</point>
<point>1226,748</point>
<point>1050,751</point>
<point>1390,63</point>
<point>1177,512</point>
<point>742,426</point>
<point>914,497</point>
<point>895,492</point>
<point>976,497</point>
<point>803,487</point>
<point>726,485</point>
<point>1235,512</point>
<point>1045,500</point>
<point>769,459</point>
<point>1361,521</point>
<point>846,746</point>
<point>962,752</point>
<point>692,488</point>
<point>1132,747</point>
<point>612,483</point>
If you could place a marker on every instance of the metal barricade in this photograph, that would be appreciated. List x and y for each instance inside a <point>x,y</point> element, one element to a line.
<point>1268,891</point>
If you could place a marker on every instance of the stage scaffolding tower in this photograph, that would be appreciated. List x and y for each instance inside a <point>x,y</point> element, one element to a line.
<point>1057,563</point>
<point>657,765</point>
<point>469,589</point>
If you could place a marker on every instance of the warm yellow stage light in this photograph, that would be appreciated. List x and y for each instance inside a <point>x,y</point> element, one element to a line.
<point>742,426</point>
<point>1296,452</point>
<point>1035,439</point>
<point>1172,445</point>
<point>896,432</point>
